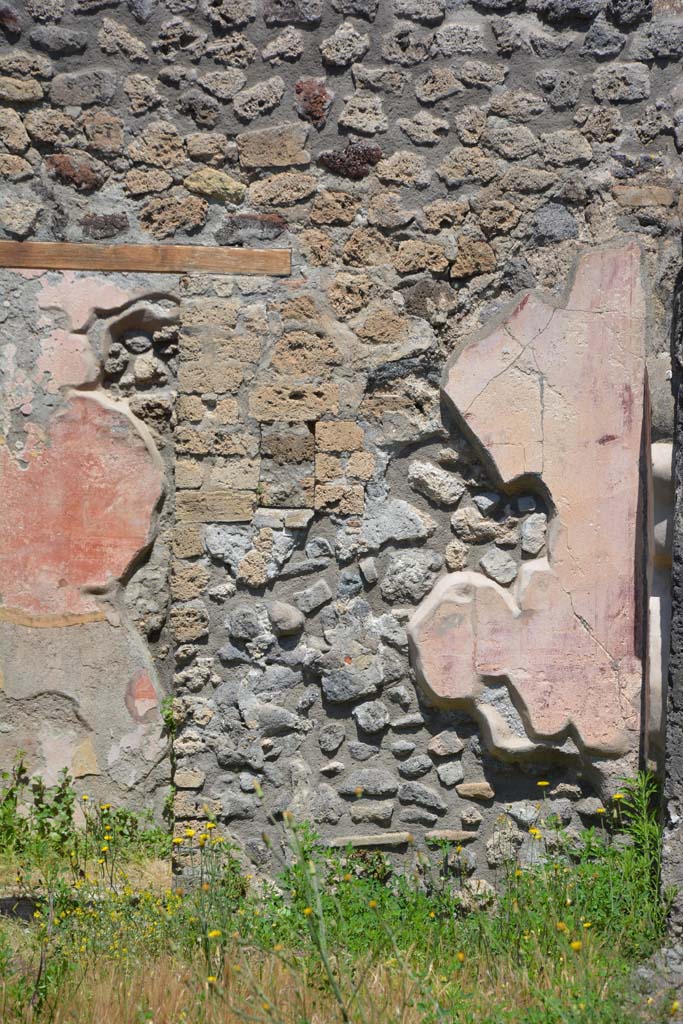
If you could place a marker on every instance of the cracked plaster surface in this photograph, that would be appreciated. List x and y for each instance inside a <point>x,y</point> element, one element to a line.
<point>555,396</point>
<point>81,481</point>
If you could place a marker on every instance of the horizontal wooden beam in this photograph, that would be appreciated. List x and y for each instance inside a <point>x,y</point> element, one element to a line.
<point>149,259</point>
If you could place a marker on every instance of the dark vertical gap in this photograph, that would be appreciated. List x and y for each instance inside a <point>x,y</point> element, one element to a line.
<point>642,575</point>
<point>672,856</point>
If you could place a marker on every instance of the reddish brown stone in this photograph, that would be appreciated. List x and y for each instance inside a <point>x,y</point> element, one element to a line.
<point>78,170</point>
<point>355,161</point>
<point>313,100</point>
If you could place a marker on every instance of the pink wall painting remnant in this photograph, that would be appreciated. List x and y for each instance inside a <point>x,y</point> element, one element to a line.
<point>81,483</point>
<point>556,395</point>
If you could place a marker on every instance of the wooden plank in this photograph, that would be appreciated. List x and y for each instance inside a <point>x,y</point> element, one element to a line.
<point>149,259</point>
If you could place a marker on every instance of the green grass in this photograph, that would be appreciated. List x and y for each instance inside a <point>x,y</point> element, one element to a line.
<point>343,937</point>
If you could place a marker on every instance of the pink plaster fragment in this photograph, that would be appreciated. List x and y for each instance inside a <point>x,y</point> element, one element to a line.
<point>141,697</point>
<point>74,520</point>
<point>570,409</point>
<point>65,359</point>
<point>80,296</point>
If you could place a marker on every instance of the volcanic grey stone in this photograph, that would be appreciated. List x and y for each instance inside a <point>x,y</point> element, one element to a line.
<point>379,812</point>
<point>499,566</point>
<point>327,806</point>
<point>285,619</point>
<point>385,522</point>
<point>658,41</point>
<point>418,816</point>
<point>413,720</point>
<point>361,751</point>
<point>450,773</point>
<point>373,782</point>
<point>487,503</point>
<point>602,41</point>
<point>533,533</point>
<point>415,767</point>
<point>445,744</point>
<point>345,47</point>
<point>435,483</point>
<point>402,748</point>
<point>58,42</point>
<point>368,568</point>
<point>83,88</point>
<point>621,83</point>
<point>245,622</point>
<point>260,99</point>
<point>238,808</point>
<point>319,547</point>
<point>417,793</point>
<point>410,575</point>
<point>554,223</point>
<point>313,597</point>
<point>627,13</point>
<point>460,37</point>
<point>589,807</point>
<point>306,567</point>
<point>229,654</point>
<point>350,583</point>
<point>524,812</point>
<point>278,678</point>
<point>561,87</point>
<point>292,12</point>
<point>142,10</point>
<point>373,716</point>
<point>564,10</point>
<point>357,8</point>
<point>351,682</point>
<point>331,738</point>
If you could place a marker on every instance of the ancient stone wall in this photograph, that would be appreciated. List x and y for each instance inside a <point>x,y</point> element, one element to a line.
<point>400,559</point>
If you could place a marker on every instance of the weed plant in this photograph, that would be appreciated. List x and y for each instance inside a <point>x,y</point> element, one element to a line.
<point>342,937</point>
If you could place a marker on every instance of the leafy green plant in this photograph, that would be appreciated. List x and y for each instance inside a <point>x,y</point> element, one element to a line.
<point>341,936</point>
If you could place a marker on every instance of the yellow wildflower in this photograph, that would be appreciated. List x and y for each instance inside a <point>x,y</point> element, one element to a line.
<point>212,979</point>
<point>543,783</point>
<point>372,904</point>
<point>214,933</point>
<point>576,945</point>
<point>308,911</point>
<point>460,957</point>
